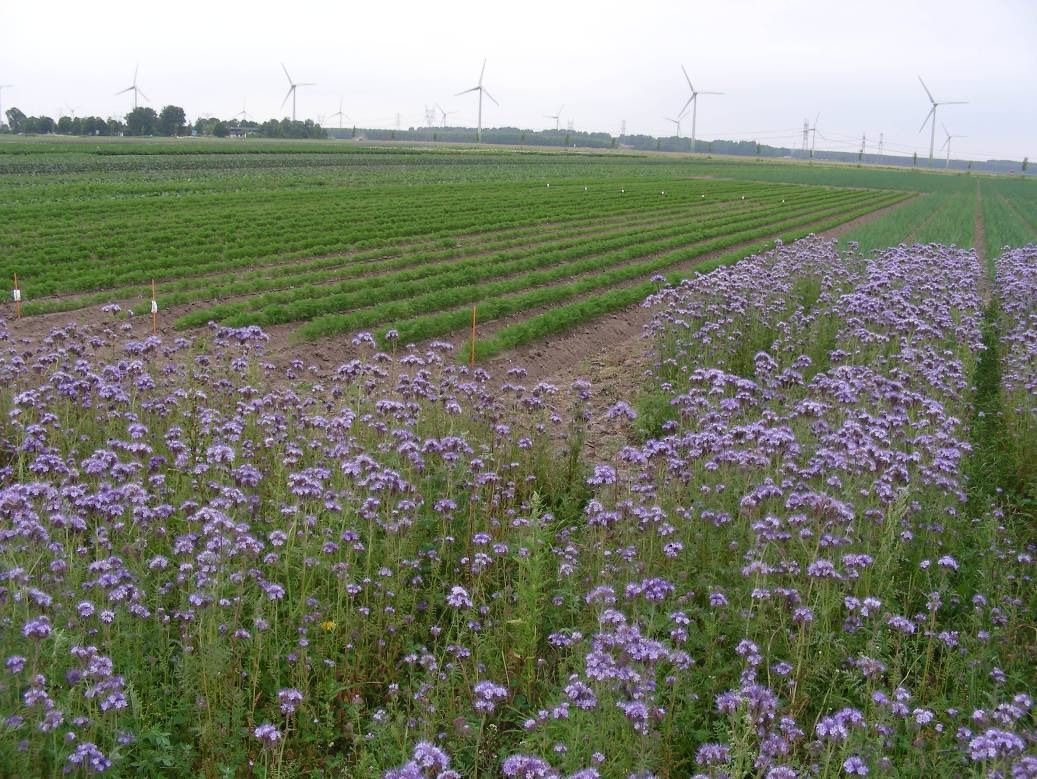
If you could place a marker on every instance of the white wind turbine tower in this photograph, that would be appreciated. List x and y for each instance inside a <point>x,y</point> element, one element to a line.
<point>676,122</point>
<point>556,117</point>
<point>443,113</point>
<point>134,89</point>
<point>292,87</point>
<point>694,103</point>
<point>932,115</point>
<point>480,89</point>
<point>243,113</point>
<point>339,114</point>
<point>947,143</point>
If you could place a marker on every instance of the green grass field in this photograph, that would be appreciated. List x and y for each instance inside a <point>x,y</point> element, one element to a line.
<point>335,237</point>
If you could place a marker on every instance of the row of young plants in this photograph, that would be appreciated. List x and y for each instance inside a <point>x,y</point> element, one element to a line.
<point>1004,222</point>
<point>568,316</point>
<point>112,246</point>
<point>208,284</point>
<point>425,279</point>
<point>590,301</point>
<point>561,241</point>
<point>549,285</point>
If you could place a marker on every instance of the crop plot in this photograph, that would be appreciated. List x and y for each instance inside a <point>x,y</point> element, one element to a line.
<point>334,254</point>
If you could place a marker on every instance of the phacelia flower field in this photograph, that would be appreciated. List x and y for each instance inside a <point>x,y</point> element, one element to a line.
<point>813,557</point>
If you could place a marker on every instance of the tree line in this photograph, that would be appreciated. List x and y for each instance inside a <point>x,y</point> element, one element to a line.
<point>171,121</point>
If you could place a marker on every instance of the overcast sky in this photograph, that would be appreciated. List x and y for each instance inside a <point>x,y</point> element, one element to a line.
<point>856,64</point>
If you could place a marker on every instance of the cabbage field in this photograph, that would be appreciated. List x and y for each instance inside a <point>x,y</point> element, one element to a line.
<point>804,546</point>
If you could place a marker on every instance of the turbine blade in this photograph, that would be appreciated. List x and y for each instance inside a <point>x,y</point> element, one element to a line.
<point>482,72</point>
<point>931,98</point>
<point>490,96</point>
<point>141,93</point>
<point>286,73</point>
<point>136,68</point>
<point>123,91</point>
<point>954,102</point>
<point>287,95</point>
<point>473,89</point>
<point>944,144</point>
<point>307,84</point>
<point>926,120</point>
<point>945,131</point>
<point>687,78</point>
<point>710,93</point>
<point>684,110</point>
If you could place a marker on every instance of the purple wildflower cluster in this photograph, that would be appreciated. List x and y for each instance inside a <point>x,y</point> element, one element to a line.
<point>1016,276</point>
<point>313,563</point>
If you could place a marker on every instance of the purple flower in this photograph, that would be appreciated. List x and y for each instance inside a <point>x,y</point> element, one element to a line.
<point>88,757</point>
<point>267,733</point>
<point>37,627</point>
<point>487,693</point>
<point>528,767</point>
<point>713,754</point>
<point>289,699</point>
<point>855,766</point>
<point>459,598</point>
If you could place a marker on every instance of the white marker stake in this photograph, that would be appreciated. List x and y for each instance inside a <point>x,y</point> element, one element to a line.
<point>17,295</point>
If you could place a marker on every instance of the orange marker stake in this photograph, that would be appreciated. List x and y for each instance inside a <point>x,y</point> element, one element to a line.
<point>17,294</point>
<point>472,361</point>
<point>154,310</point>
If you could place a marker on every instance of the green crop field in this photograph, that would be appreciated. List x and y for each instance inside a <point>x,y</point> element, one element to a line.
<point>334,238</point>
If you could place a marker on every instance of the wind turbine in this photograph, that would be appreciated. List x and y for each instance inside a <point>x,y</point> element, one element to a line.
<point>556,117</point>
<point>694,103</point>
<point>243,113</point>
<point>677,122</point>
<point>932,115</point>
<point>480,89</point>
<point>947,143</point>
<point>444,114</point>
<point>292,87</point>
<point>339,114</point>
<point>134,89</point>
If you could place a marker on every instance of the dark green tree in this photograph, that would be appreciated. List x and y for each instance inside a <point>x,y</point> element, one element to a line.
<point>142,121</point>
<point>220,129</point>
<point>93,125</point>
<point>172,120</point>
<point>14,119</point>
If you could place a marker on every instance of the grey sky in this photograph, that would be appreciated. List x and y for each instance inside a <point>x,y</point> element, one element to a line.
<point>779,62</point>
